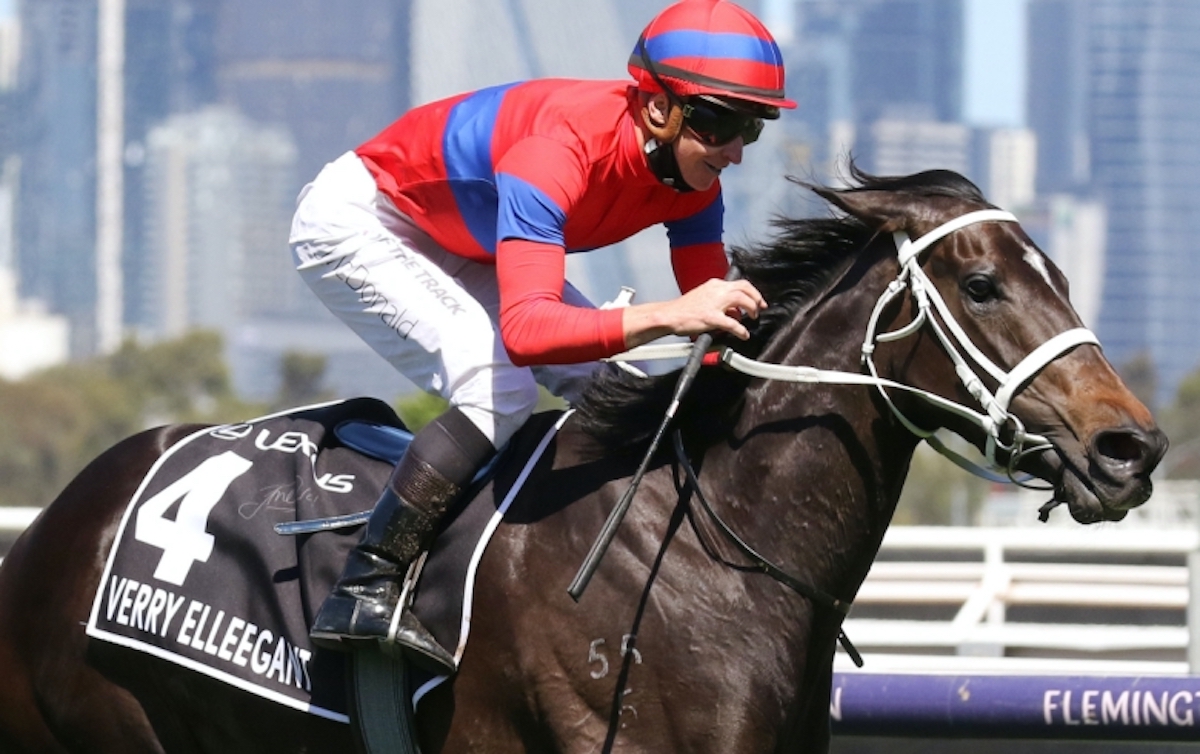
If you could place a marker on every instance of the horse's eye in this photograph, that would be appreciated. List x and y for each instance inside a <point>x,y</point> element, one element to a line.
<point>980,288</point>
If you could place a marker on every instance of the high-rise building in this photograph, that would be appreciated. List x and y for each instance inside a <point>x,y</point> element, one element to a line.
<point>56,143</point>
<point>1005,166</point>
<point>332,73</point>
<point>1057,93</point>
<point>166,55</point>
<point>855,63</point>
<point>10,56</point>
<point>217,210</point>
<point>1138,107</point>
<point>903,145</point>
<point>170,67</point>
<point>30,338</point>
<point>318,78</point>
<point>906,53</point>
<point>10,162</point>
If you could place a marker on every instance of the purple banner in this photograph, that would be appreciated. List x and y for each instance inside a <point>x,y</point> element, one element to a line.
<point>1150,708</point>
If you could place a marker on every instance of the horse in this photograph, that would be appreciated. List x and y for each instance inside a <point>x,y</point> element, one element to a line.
<point>712,621</point>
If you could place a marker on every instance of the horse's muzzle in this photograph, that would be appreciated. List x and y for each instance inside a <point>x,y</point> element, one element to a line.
<point>1114,477</point>
<point>1121,463</point>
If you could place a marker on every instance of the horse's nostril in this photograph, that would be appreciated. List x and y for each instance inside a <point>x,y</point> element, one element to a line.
<point>1137,450</point>
<point>1120,446</point>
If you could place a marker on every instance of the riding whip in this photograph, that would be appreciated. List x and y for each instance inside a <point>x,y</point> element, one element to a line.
<point>699,347</point>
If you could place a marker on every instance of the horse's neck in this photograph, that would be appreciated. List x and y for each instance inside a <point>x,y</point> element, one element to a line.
<point>817,469</point>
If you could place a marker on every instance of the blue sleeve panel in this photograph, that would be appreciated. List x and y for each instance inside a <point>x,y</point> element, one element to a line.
<point>706,226</point>
<point>526,212</point>
<point>467,151</point>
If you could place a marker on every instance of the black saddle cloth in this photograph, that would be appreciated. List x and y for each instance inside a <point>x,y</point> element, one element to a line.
<point>198,576</point>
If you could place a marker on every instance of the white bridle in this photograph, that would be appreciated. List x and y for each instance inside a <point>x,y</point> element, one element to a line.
<point>995,414</point>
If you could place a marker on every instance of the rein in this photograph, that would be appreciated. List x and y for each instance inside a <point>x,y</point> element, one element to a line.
<point>760,563</point>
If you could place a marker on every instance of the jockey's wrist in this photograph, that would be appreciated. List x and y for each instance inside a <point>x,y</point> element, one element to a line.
<point>645,322</point>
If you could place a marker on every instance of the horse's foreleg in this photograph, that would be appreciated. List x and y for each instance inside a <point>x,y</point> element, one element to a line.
<point>817,726</point>
<point>811,725</point>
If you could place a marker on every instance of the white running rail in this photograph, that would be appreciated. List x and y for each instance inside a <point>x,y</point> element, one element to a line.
<point>970,577</point>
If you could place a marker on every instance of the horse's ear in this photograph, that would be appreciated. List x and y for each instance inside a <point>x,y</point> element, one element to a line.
<point>885,211</point>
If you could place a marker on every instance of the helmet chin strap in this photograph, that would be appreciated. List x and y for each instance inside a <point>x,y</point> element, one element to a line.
<point>659,154</point>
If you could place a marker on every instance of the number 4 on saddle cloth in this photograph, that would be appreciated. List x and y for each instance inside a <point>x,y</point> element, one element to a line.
<point>198,575</point>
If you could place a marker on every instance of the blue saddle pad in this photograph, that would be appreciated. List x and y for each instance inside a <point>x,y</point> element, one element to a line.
<point>387,443</point>
<point>379,441</point>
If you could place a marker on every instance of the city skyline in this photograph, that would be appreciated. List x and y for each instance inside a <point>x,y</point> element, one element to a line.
<point>901,86</point>
<point>994,88</point>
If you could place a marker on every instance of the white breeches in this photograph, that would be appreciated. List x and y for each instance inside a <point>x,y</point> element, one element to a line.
<point>432,314</point>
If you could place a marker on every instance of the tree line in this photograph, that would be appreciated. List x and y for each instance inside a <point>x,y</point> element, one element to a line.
<point>53,423</point>
<point>56,421</point>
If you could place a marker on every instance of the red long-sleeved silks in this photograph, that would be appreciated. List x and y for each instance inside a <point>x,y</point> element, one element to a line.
<point>519,175</point>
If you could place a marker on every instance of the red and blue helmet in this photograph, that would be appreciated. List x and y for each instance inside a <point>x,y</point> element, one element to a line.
<point>710,47</point>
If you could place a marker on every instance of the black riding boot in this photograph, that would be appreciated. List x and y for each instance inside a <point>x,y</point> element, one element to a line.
<point>363,606</point>
<point>365,600</point>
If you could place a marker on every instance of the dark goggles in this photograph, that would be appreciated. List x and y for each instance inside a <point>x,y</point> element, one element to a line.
<point>716,125</point>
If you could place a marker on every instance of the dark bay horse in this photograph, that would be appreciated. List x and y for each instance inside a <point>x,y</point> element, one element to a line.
<point>680,643</point>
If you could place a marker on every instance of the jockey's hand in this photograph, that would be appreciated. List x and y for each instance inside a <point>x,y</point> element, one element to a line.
<point>716,305</point>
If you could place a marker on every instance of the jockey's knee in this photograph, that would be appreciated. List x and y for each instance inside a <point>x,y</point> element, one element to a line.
<point>505,413</point>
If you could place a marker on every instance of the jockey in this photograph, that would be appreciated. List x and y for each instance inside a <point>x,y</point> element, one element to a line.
<point>441,242</point>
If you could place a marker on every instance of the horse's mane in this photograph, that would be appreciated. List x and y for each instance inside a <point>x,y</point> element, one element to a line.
<point>795,264</point>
